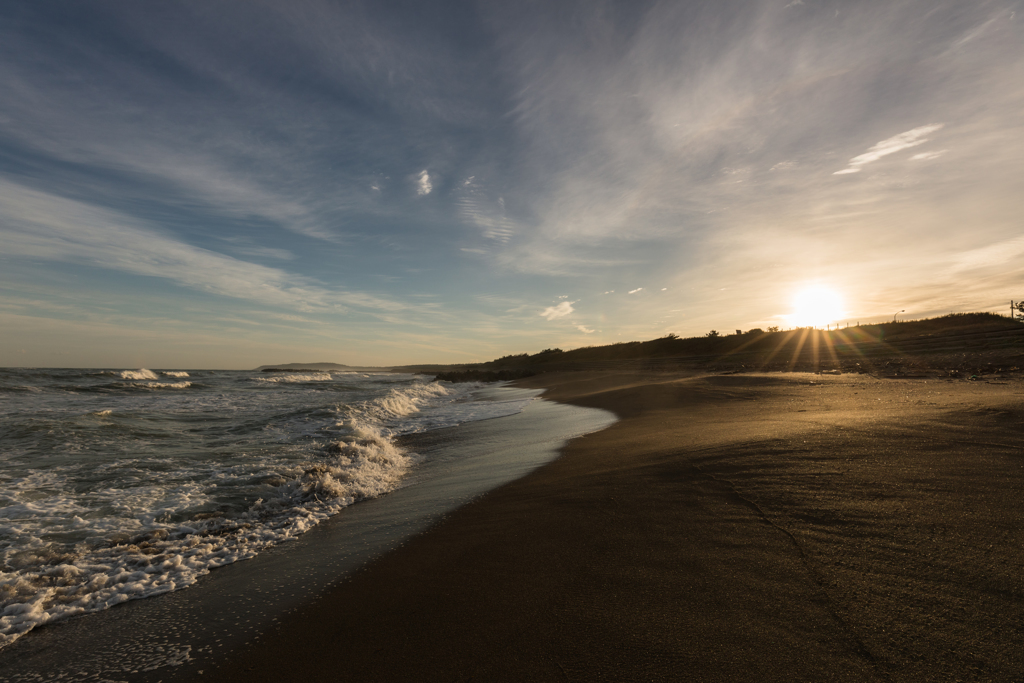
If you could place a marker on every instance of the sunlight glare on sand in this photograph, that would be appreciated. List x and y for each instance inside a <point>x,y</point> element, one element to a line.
<point>815,306</point>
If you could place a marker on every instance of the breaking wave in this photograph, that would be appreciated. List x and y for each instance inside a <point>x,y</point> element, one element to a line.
<point>142,373</point>
<point>140,540</point>
<point>167,385</point>
<point>318,377</point>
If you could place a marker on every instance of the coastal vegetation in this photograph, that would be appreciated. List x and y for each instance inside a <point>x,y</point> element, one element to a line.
<point>970,344</point>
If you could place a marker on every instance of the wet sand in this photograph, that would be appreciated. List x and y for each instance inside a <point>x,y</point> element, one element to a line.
<point>732,527</point>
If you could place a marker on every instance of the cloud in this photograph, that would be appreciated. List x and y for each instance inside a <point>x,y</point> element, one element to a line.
<point>924,156</point>
<point>585,330</point>
<point>423,184</point>
<point>560,311</point>
<point>44,226</point>
<point>638,289</point>
<point>222,128</point>
<point>241,245</point>
<point>897,143</point>
<point>990,256</point>
<point>604,134</point>
<point>475,207</point>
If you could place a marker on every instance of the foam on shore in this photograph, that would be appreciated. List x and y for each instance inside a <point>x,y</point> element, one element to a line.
<point>132,534</point>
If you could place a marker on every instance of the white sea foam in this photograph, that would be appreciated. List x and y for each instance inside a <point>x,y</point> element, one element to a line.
<point>174,373</point>
<point>318,377</point>
<point>141,373</point>
<point>138,538</point>
<point>167,385</point>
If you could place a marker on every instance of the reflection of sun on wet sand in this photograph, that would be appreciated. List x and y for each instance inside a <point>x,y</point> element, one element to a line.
<point>738,527</point>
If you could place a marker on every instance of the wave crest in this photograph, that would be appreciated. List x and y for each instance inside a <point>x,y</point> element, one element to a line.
<point>360,461</point>
<point>398,402</point>
<point>167,385</point>
<point>318,377</point>
<point>141,373</point>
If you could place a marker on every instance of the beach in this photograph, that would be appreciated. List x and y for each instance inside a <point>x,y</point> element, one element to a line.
<point>781,526</point>
<point>177,634</point>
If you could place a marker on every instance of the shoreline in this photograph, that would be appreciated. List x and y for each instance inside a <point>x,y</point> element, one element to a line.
<point>728,527</point>
<point>178,635</point>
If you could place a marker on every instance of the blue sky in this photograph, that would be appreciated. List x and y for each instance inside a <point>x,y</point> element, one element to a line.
<point>226,184</point>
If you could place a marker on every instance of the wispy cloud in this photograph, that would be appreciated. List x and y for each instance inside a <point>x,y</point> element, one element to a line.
<point>924,156</point>
<point>585,330</point>
<point>244,246</point>
<point>558,311</point>
<point>51,228</point>
<point>423,184</point>
<point>638,289</point>
<point>991,256</point>
<point>897,143</point>
<point>488,215</point>
<point>286,154</point>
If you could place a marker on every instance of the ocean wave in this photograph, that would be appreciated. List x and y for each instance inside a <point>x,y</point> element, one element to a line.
<point>124,388</point>
<point>179,537</point>
<point>166,385</point>
<point>22,388</point>
<point>174,373</point>
<point>141,373</point>
<point>398,402</point>
<point>366,462</point>
<point>318,377</point>
<point>44,584</point>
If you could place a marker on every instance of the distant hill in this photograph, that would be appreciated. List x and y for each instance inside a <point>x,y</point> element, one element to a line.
<point>965,343</point>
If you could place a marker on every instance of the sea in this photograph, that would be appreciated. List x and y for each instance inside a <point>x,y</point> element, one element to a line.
<point>121,484</point>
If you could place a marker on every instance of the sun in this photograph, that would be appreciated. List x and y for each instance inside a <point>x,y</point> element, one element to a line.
<point>816,306</point>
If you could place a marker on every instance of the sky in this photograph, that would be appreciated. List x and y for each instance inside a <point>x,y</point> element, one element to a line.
<point>220,184</point>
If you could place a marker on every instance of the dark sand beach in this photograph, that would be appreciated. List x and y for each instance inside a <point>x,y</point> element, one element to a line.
<point>742,527</point>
